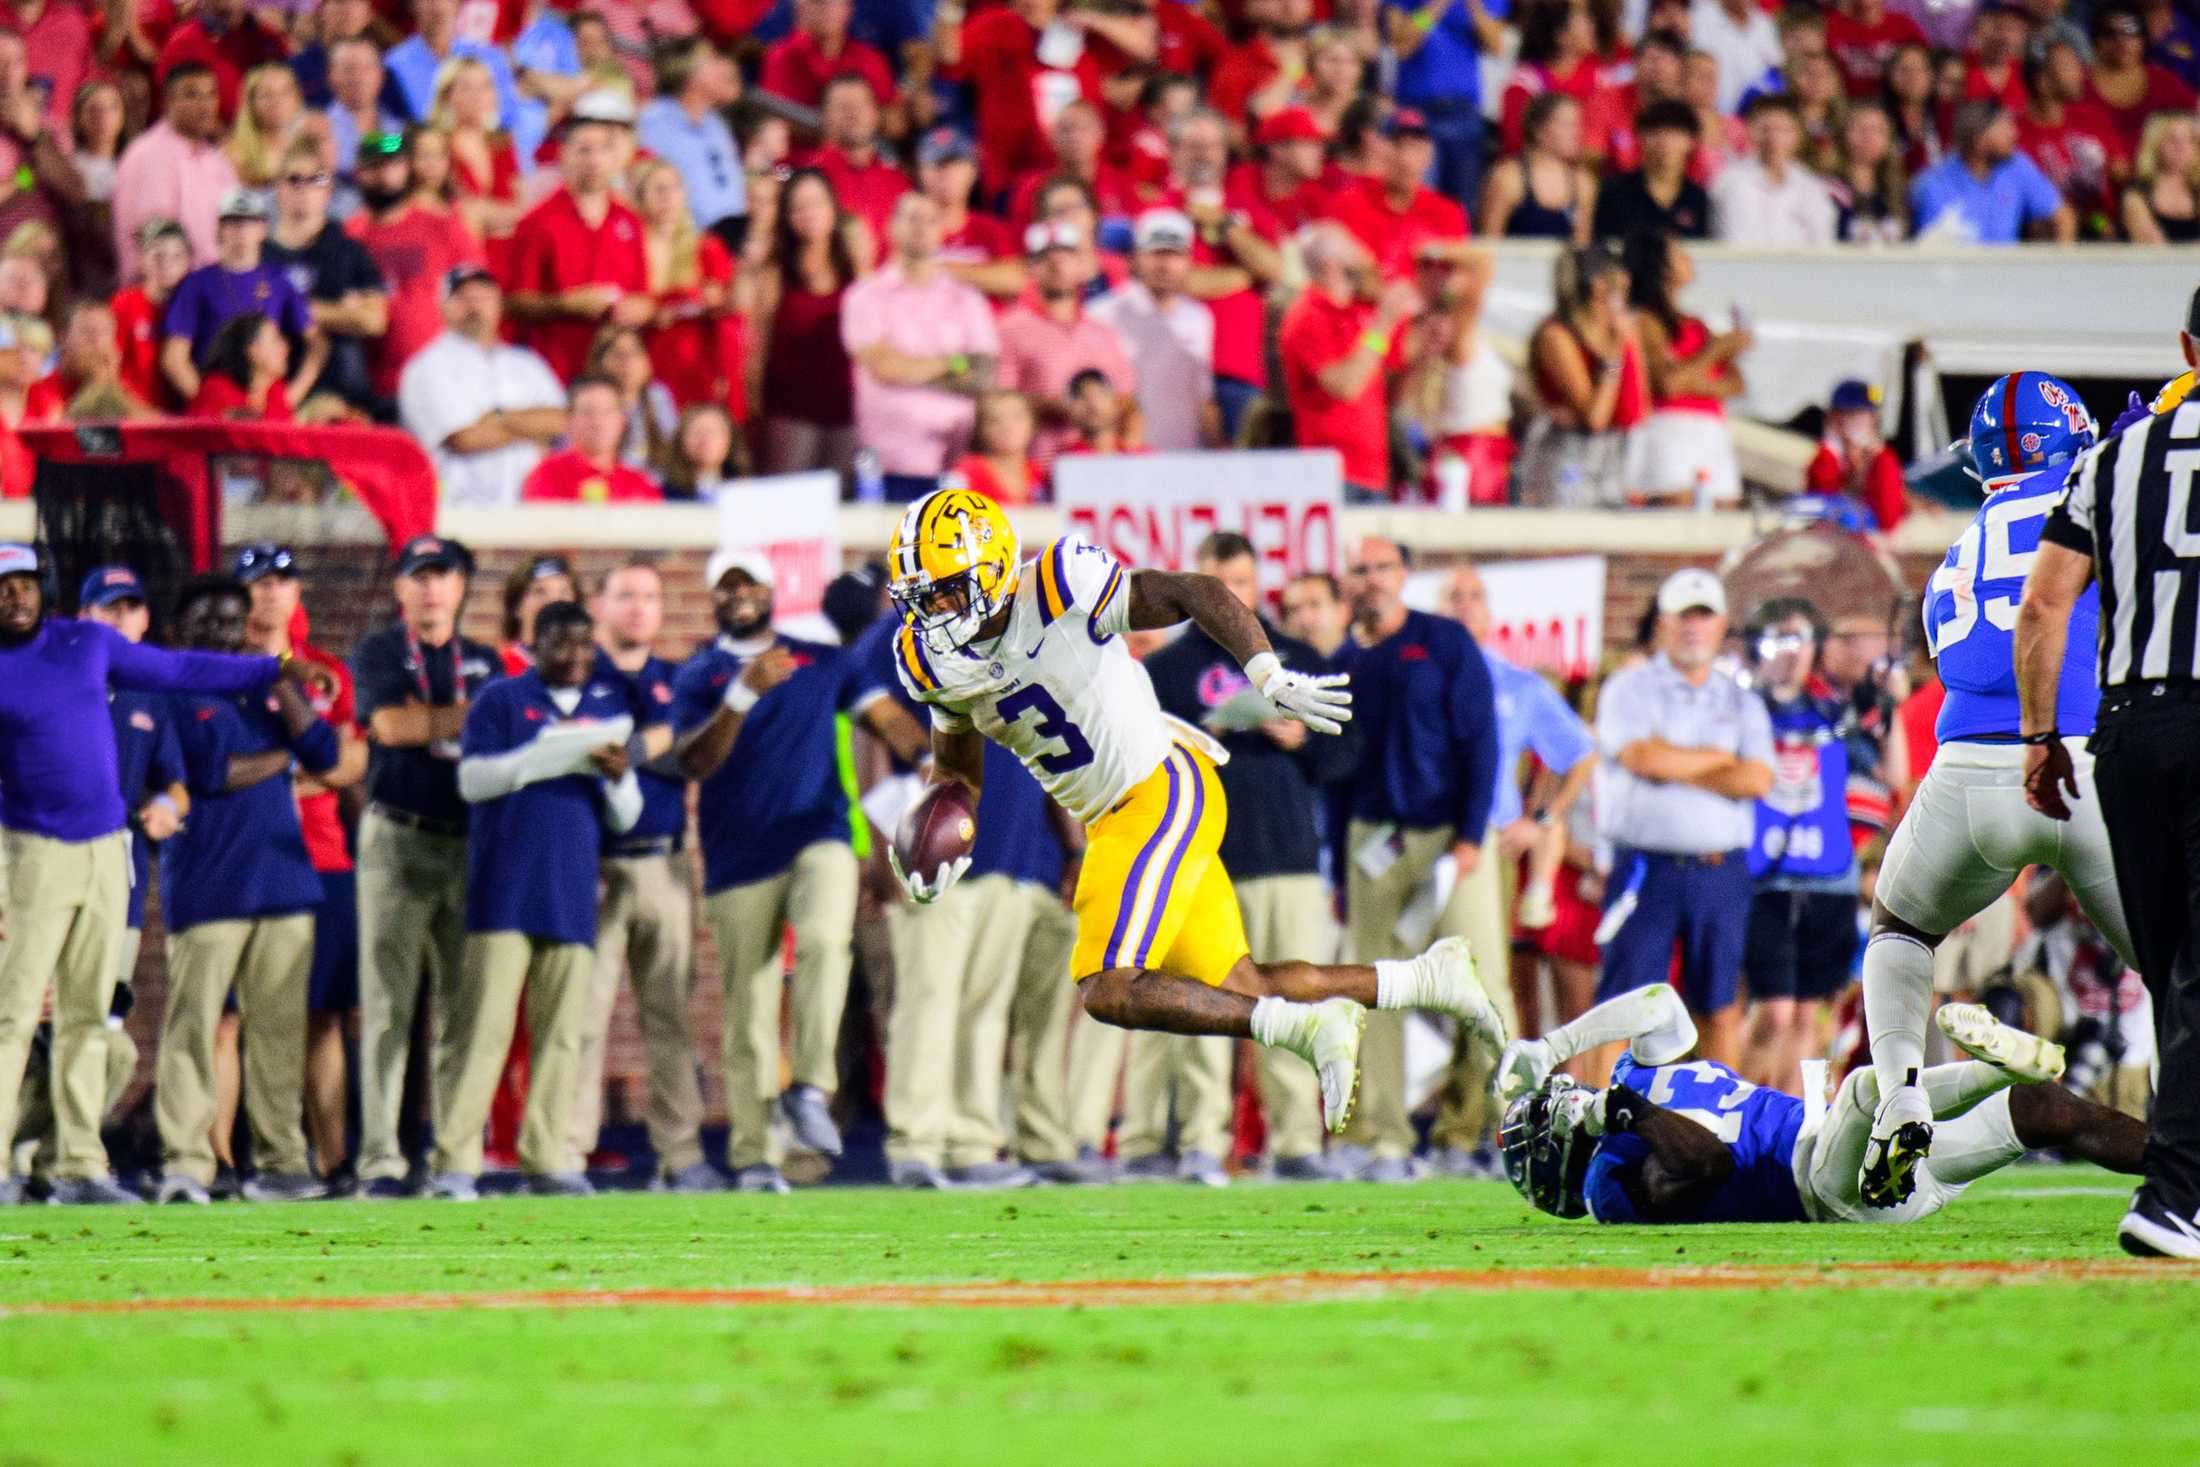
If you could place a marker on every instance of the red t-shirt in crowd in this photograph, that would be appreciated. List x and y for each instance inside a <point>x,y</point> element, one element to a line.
<point>698,357</point>
<point>554,249</point>
<point>1185,44</point>
<point>1884,493</point>
<point>1112,189</point>
<point>1245,70</point>
<point>978,475</point>
<point>18,469</point>
<point>58,48</point>
<point>797,68</point>
<point>1861,52</point>
<point>1243,187</point>
<point>231,54</point>
<point>1317,332</point>
<point>220,397</point>
<point>570,476</point>
<point>47,399</point>
<point>2164,93</point>
<point>1394,235</point>
<point>414,250</point>
<point>2078,154</point>
<point>137,340</point>
<point>866,190</point>
<point>321,816</point>
<point>1017,96</point>
<point>2008,88</point>
<point>978,240</point>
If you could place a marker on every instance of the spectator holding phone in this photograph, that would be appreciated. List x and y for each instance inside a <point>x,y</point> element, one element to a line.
<point>1853,459</point>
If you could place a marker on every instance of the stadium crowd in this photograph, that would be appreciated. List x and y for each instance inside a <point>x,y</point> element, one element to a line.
<point>627,251</point>
<point>445,858</point>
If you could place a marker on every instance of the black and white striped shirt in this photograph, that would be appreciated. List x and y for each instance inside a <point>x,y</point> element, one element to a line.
<point>2129,505</point>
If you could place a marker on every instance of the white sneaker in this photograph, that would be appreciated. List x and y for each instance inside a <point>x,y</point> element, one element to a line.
<point>1538,907</point>
<point>1521,1066</point>
<point>1973,1029</point>
<point>1333,1049</point>
<point>1449,986</point>
<point>1902,1134</point>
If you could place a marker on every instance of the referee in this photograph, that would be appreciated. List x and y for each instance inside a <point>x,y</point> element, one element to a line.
<point>2126,516</point>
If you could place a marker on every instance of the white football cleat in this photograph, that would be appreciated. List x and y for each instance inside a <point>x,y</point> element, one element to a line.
<point>1902,1135</point>
<point>1333,1049</point>
<point>1523,1065</point>
<point>1973,1029</point>
<point>1449,985</point>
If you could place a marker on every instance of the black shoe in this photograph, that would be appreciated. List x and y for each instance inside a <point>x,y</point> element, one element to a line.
<point>2151,1230</point>
<point>226,1187</point>
<point>342,1182</point>
<point>386,1189</point>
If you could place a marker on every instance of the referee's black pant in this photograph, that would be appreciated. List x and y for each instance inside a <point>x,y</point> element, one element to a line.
<point>2147,772</point>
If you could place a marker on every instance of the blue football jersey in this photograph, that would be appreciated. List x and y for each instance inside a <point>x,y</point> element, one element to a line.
<point>1971,616</point>
<point>1758,1126</point>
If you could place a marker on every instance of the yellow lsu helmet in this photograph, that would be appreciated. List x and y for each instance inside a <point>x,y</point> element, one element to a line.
<point>953,563</point>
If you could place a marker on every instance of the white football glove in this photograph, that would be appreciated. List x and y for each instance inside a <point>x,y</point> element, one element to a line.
<point>920,891</point>
<point>1577,1110</point>
<point>1521,1066</point>
<point>1318,700</point>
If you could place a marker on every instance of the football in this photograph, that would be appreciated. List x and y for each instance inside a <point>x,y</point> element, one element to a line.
<point>939,827</point>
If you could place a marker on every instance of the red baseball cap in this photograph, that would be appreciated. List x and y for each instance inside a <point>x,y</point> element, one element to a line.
<point>1290,125</point>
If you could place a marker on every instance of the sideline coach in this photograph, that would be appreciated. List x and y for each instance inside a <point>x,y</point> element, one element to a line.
<point>2127,517</point>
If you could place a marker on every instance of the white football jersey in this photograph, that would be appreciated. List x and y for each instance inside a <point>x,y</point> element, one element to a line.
<point>1058,689</point>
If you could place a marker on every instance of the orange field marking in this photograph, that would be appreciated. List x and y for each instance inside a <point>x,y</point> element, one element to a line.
<point>1293,1288</point>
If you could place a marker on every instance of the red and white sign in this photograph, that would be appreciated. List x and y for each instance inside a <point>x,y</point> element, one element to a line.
<point>1545,615</point>
<point>1152,511</point>
<point>792,520</point>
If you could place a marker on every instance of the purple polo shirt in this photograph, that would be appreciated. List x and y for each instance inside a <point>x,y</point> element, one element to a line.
<point>58,774</point>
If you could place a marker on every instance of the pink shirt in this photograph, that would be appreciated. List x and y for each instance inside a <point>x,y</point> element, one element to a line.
<point>164,175</point>
<point>1040,354</point>
<point>914,430</point>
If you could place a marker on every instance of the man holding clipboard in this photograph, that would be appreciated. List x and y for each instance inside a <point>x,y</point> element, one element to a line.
<point>544,764</point>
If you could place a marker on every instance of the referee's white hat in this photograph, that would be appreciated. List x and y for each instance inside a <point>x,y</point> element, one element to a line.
<point>1686,590</point>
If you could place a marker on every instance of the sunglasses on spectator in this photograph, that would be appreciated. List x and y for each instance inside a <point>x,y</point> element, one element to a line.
<point>306,180</point>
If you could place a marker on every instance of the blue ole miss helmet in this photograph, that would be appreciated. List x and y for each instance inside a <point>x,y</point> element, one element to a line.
<point>2025,422</point>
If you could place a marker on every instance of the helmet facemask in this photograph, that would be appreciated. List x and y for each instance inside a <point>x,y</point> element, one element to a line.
<point>1545,1169</point>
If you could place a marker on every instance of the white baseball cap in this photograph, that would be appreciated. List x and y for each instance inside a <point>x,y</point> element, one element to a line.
<point>1685,590</point>
<point>752,563</point>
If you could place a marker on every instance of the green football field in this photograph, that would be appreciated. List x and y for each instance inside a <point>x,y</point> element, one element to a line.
<point>1343,1324</point>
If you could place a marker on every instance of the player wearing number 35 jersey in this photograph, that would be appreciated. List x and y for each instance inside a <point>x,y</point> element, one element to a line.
<point>1030,655</point>
<point>1969,831</point>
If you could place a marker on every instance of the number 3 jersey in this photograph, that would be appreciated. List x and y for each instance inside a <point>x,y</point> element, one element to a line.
<point>1759,1126</point>
<point>1971,617</point>
<point>1057,689</point>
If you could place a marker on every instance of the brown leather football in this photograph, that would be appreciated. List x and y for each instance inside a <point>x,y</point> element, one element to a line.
<point>938,828</point>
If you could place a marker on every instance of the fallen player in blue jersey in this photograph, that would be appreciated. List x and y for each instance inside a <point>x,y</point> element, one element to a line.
<point>1681,1140</point>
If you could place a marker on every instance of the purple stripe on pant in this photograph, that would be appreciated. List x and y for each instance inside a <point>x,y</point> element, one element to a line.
<point>1112,958</point>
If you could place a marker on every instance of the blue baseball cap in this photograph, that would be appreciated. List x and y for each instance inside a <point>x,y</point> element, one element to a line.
<point>1853,396</point>
<point>107,584</point>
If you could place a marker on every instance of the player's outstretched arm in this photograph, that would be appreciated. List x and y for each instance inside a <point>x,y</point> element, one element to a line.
<point>1652,1019</point>
<point>1165,598</point>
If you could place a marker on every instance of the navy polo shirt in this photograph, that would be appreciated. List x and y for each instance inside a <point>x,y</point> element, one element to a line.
<point>664,800</point>
<point>1016,838</point>
<point>242,853</point>
<point>531,854</point>
<point>149,760</point>
<point>779,791</point>
<point>1446,70</point>
<point>385,674</point>
<point>1426,717</point>
<point>1276,814</point>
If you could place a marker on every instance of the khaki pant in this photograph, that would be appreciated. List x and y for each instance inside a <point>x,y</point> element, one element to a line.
<point>412,919</point>
<point>816,896</point>
<point>267,959</point>
<point>67,909</point>
<point>961,965</point>
<point>1096,1052</point>
<point>1289,917</point>
<point>1481,911</point>
<point>1186,1076</point>
<point>1038,1032</point>
<point>646,929</point>
<point>1382,1123</point>
<point>34,1125</point>
<point>480,1009</point>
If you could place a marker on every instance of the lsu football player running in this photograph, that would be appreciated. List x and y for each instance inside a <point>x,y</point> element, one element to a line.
<point>1031,656</point>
